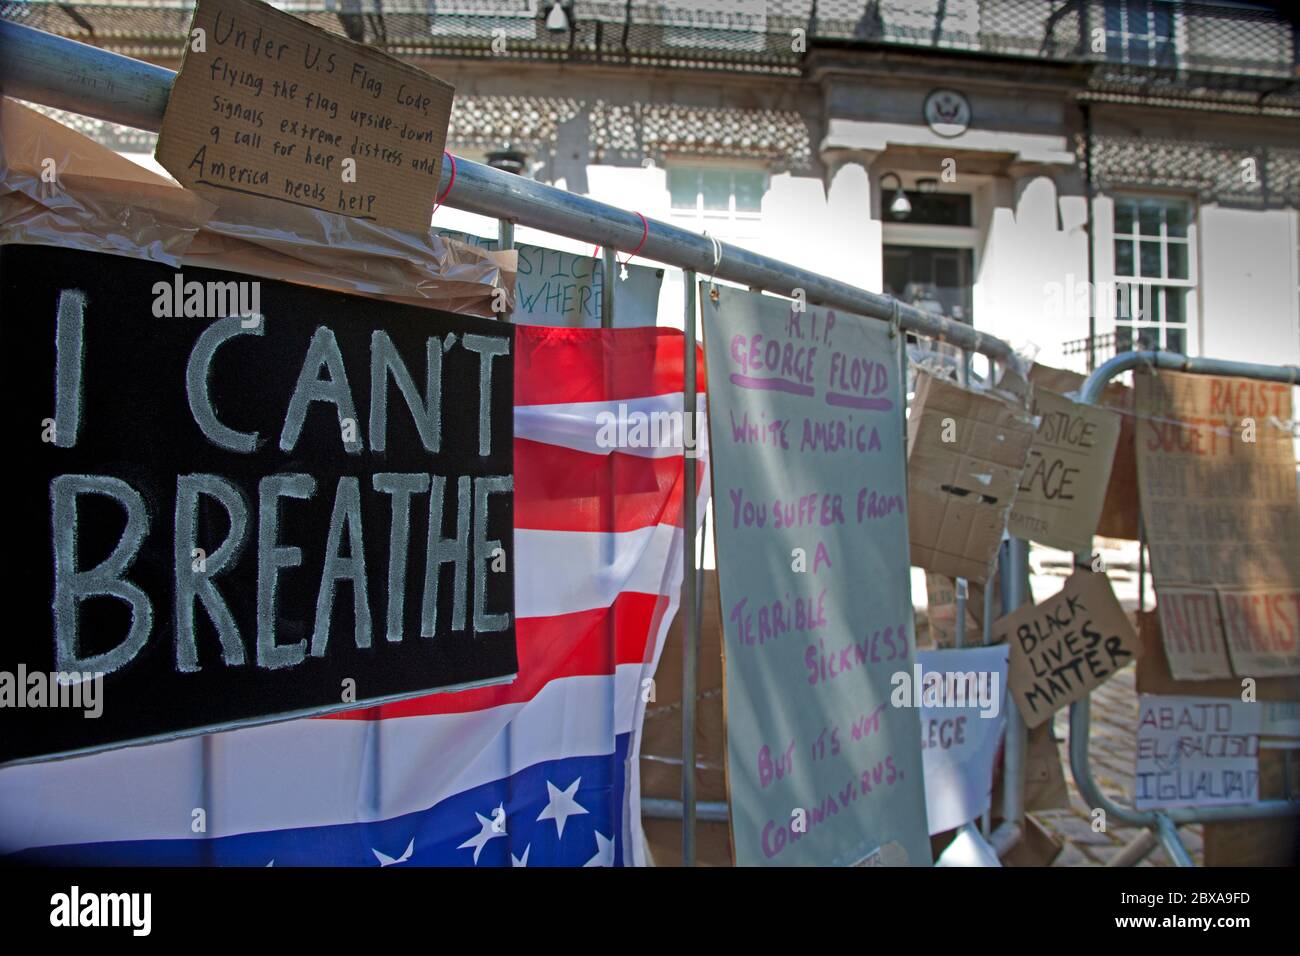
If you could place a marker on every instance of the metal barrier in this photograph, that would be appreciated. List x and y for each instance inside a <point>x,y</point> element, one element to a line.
<point>1164,823</point>
<point>66,74</point>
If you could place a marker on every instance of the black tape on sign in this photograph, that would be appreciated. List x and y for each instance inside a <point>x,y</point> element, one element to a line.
<point>233,500</point>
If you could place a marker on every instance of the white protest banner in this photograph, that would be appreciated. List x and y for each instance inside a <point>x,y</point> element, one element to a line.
<point>962,717</point>
<point>807,439</point>
<point>566,289</point>
<point>1196,752</point>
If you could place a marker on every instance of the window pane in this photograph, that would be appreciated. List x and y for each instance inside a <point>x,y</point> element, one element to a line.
<point>1124,218</point>
<point>1138,52</point>
<point>683,184</point>
<point>1114,15</point>
<point>1162,21</point>
<point>1150,218</point>
<point>1177,260</point>
<point>1176,305</point>
<point>1175,340</point>
<point>1124,258</point>
<point>749,191</point>
<point>1176,219</point>
<point>715,184</point>
<point>1123,338</point>
<point>1151,259</point>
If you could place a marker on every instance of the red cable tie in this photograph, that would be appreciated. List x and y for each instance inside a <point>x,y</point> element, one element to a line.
<point>437,203</point>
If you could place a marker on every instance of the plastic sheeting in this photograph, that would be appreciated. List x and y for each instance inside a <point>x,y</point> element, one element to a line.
<point>58,187</point>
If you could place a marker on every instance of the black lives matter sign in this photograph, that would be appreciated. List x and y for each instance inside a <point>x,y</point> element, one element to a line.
<point>236,500</point>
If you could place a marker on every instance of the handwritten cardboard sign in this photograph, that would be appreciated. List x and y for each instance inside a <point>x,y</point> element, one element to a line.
<point>1217,476</point>
<point>806,424</point>
<point>1119,513</point>
<point>1067,645</point>
<point>1063,486</point>
<point>941,611</point>
<point>966,451</point>
<point>251,500</point>
<point>273,106</point>
<point>1196,752</point>
<point>1191,630</point>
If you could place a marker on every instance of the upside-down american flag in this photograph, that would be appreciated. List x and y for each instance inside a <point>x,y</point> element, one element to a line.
<point>541,771</point>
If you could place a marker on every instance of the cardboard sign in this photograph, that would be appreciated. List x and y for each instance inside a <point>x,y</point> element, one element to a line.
<point>959,743</point>
<point>941,611</point>
<point>1218,483</point>
<point>246,500</point>
<point>1196,752</point>
<point>566,289</point>
<point>1192,631</point>
<point>1154,677</point>
<point>1059,499</point>
<point>806,423</point>
<point>1064,647</point>
<point>1119,513</point>
<point>966,452</point>
<point>273,106</point>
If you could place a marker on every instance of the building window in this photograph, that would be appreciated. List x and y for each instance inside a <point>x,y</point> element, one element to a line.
<point>1140,32</point>
<point>726,201</point>
<point>1154,273</point>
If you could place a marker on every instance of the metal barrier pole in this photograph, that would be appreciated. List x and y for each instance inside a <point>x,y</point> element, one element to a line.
<point>609,280</point>
<point>56,71</point>
<point>505,234</point>
<point>1014,563</point>
<point>691,597</point>
<point>1165,822</point>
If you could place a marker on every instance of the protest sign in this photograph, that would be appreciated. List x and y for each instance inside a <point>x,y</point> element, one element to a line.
<point>1192,631</point>
<point>1216,468</point>
<point>1064,647</point>
<point>959,743</point>
<point>941,611</point>
<point>246,500</point>
<point>566,289</point>
<point>966,451</point>
<point>1196,752</point>
<point>1119,513</point>
<point>1059,499</point>
<point>806,424</point>
<point>269,105</point>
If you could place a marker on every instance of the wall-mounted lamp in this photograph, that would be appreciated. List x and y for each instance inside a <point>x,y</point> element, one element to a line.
<point>900,207</point>
<point>508,159</point>
<point>557,20</point>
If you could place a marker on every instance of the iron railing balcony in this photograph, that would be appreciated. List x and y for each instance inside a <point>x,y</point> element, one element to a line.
<point>1126,40</point>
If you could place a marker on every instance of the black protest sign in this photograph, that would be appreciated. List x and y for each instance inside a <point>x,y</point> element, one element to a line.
<point>236,500</point>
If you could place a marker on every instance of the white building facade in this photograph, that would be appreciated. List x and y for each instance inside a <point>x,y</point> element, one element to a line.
<point>956,153</point>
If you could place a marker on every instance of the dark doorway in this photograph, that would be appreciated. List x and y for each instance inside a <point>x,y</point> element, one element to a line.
<point>932,278</point>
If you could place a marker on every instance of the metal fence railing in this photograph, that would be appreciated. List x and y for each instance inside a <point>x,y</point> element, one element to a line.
<point>1162,825</point>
